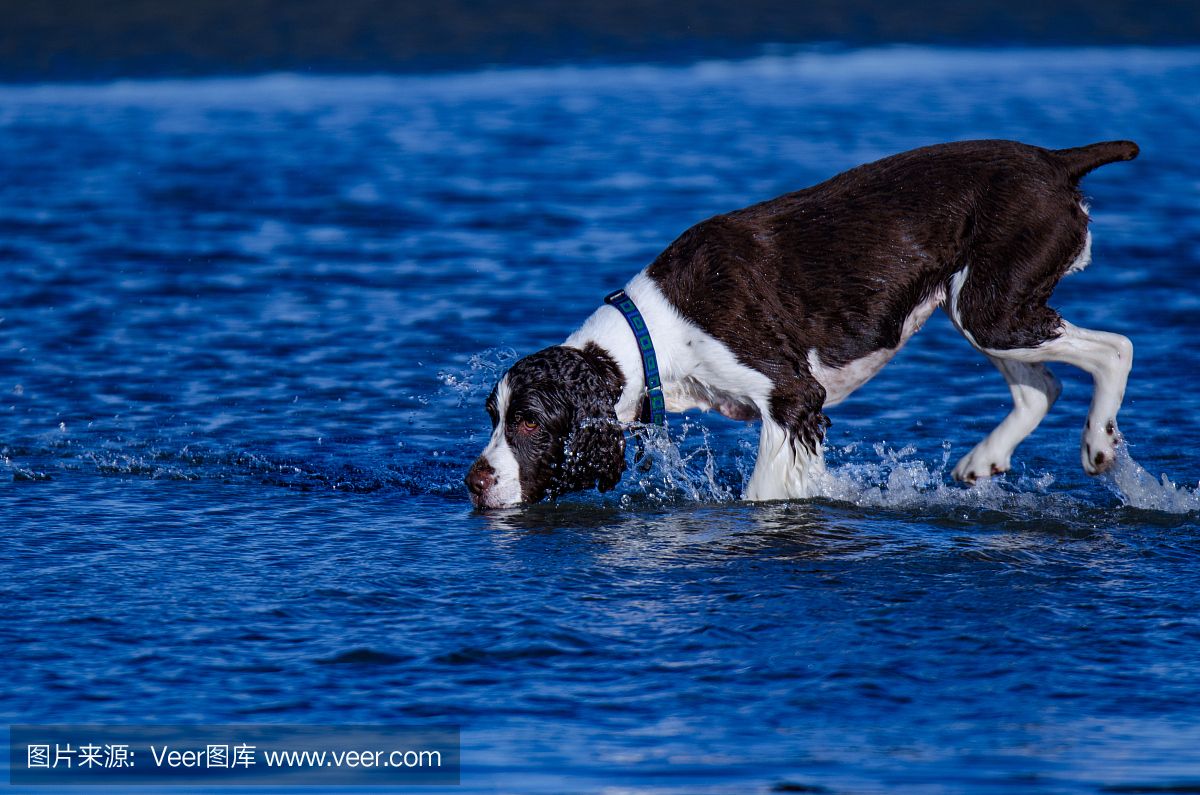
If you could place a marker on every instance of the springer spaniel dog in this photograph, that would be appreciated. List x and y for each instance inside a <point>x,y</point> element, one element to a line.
<point>775,311</point>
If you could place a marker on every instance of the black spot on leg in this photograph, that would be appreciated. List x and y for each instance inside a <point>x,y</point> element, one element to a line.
<point>1111,428</point>
<point>971,476</point>
<point>996,470</point>
<point>1088,425</point>
<point>1099,459</point>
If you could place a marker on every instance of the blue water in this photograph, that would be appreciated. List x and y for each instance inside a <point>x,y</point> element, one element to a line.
<point>246,330</point>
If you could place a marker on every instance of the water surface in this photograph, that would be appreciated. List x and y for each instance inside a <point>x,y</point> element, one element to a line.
<point>246,329</point>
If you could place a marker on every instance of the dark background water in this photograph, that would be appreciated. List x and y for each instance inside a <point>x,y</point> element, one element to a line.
<point>247,325</point>
<point>86,40</point>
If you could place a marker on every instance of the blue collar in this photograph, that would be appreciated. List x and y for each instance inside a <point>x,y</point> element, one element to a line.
<point>654,391</point>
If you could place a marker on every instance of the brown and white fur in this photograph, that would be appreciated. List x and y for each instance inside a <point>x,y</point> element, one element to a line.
<point>775,311</point>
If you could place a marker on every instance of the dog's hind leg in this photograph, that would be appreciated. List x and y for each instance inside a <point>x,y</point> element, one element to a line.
<point>999,301</point>
<point>1034,390</point>
<point>1108,357</point>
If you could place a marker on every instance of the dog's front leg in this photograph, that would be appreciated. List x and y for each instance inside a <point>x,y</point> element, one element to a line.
<point>791,459</point>
<point>786,468</point>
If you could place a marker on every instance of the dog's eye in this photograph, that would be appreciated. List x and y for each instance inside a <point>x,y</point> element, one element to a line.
<point>528,426</point>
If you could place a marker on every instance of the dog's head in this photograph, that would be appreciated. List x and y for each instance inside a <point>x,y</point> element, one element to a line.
<point>554,429</point>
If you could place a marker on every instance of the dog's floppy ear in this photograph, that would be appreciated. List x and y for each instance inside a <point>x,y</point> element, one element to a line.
<point>594,454</point>
<point>594,451</point>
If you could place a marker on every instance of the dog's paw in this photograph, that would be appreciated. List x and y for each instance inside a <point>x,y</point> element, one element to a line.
<point>980,464</point>
<point>1098,450</point>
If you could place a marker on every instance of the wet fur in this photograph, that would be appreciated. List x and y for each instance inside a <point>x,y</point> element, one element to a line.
<point>578,443</point>
<point>836,276</point>
<point>839,266</point>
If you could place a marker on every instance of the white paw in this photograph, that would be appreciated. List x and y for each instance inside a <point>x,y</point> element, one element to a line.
<point>981,463</point>
<point>1098,450</point>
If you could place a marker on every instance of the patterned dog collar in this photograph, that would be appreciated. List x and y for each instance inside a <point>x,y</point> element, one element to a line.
<point>654,392</point>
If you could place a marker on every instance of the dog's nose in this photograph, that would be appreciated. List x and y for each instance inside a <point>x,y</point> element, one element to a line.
<point>480,478</point>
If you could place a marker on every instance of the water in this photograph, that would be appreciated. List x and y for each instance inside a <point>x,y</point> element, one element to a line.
<point>246,329</point>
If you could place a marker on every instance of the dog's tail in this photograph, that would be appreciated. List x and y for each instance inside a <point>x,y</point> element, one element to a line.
<point>1082,159</point>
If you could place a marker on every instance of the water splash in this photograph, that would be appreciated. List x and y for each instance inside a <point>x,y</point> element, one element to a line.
<point>687,463</point>
<point>683,467</point>
<point>21,474</point>
<point>674,467</point>
<point>901,479</point>
<point>1137,488</point>
<point>481,374</point>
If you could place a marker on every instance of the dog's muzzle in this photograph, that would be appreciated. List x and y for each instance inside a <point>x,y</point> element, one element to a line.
<point>480,479</point>
<point>487,490</point>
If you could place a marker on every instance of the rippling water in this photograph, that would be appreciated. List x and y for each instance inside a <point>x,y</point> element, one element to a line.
<point>246,327</point>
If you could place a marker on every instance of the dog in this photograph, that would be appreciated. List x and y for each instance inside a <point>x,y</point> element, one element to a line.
<point>779,310</point>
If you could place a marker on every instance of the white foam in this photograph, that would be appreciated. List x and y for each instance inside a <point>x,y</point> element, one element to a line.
<point>683,467</point>
<point>1137,488</point>
<point>899,479</point>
